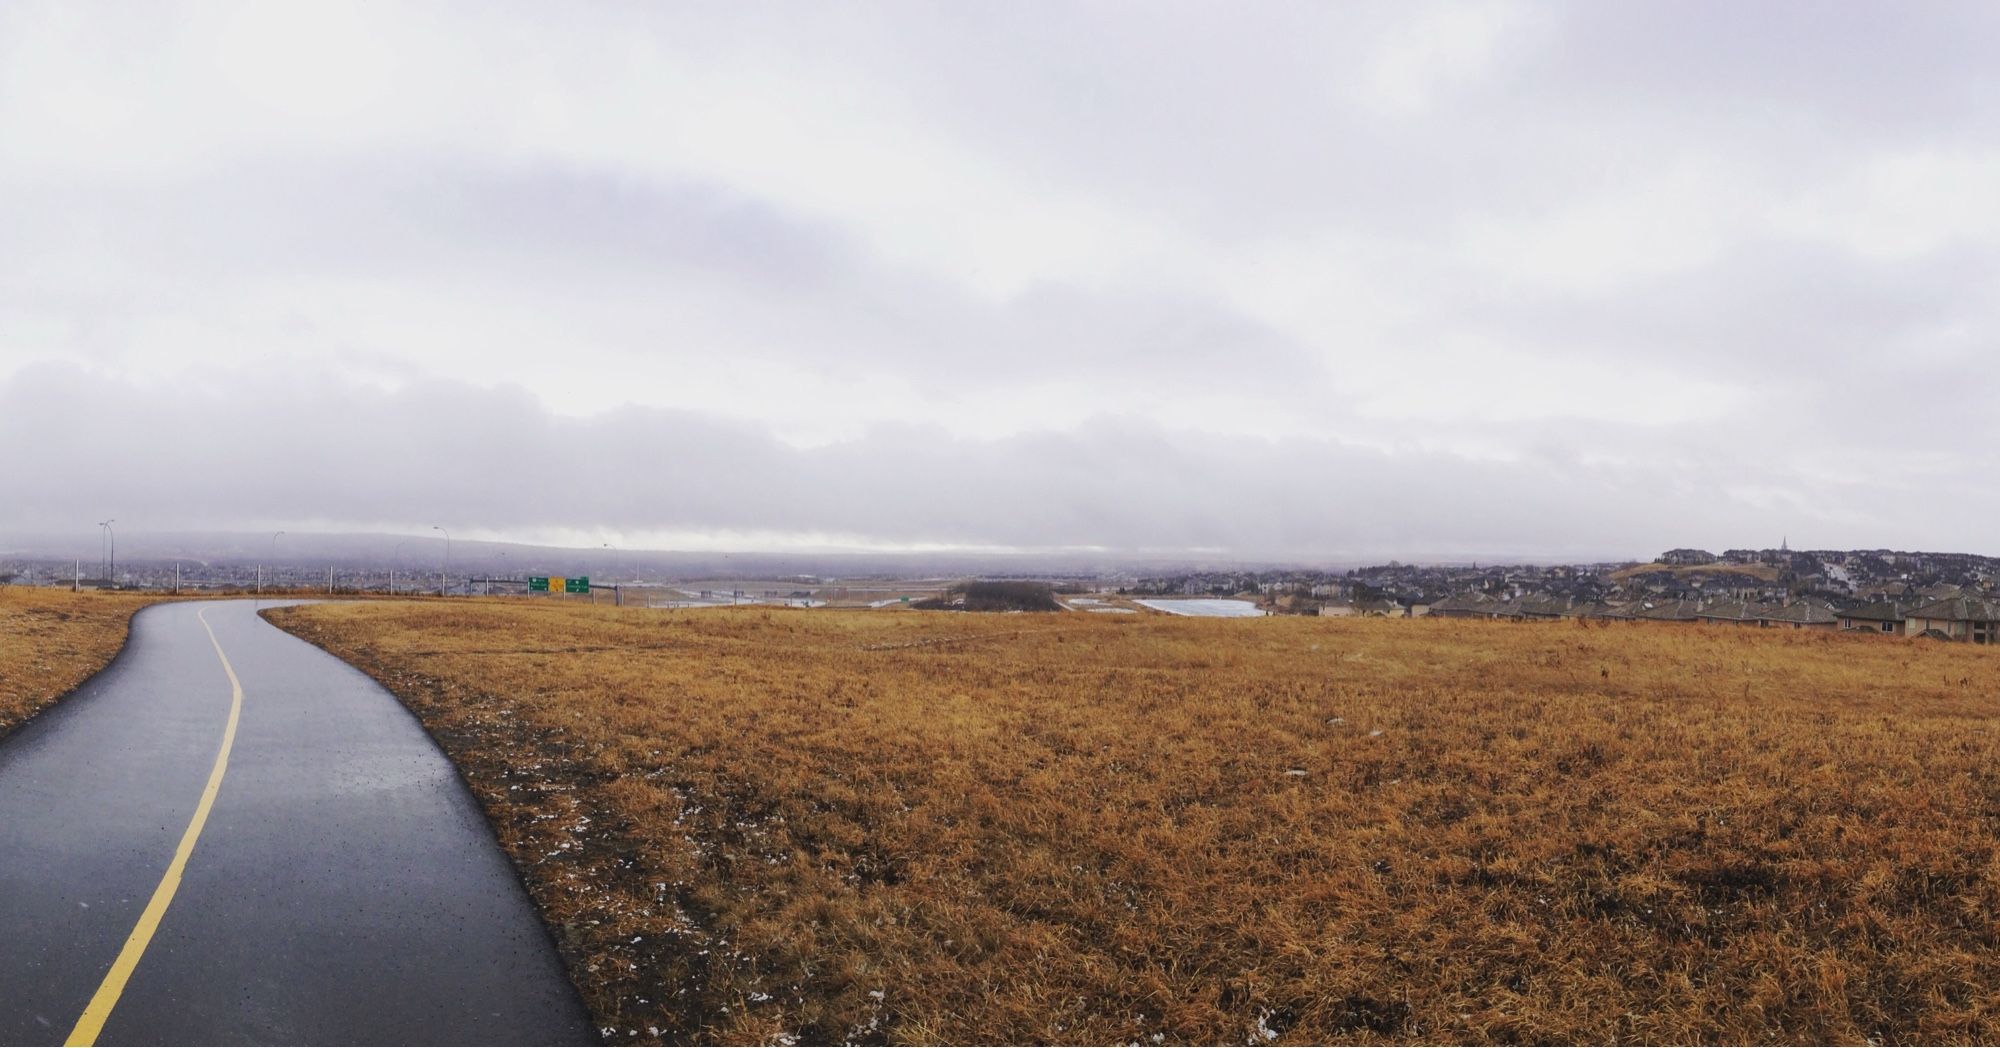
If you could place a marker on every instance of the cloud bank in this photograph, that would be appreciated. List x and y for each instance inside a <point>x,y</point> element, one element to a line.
<point>494,462</point>
<point>1552,280</point>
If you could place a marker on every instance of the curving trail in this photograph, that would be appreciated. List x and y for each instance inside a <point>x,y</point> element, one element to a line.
<point>231,837</point>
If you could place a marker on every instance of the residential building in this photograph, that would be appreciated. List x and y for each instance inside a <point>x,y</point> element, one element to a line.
<point>1882,616</point>
<point>1959,618</point>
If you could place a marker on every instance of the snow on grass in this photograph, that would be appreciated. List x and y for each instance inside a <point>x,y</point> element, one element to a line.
<point>1207,608</point>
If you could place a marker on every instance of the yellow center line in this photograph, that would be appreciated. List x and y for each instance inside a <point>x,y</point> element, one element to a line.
<point>91,1023</point>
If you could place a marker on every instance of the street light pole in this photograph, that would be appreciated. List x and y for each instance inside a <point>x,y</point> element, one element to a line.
<point>274,564</point>
<point>395,558</point>
<point>111,549</point>
<point>447,557</point>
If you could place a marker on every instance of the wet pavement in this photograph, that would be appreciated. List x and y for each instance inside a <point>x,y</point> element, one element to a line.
<point>345,888</point>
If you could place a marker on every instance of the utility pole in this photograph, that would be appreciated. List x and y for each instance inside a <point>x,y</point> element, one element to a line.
<point>447,557</point>
<point>177,578</point>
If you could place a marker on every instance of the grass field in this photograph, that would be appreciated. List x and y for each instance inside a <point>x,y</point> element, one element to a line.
<point>764,825</point>
<point>52,640</point>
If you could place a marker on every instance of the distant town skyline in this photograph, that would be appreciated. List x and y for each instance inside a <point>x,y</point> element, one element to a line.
<point>1271,282</point>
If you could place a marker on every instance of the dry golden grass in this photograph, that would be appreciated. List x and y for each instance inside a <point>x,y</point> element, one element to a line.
<point>748,825</point>
<point>53,640</point>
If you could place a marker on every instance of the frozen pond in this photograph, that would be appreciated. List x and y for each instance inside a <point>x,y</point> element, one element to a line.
<point>1212,608</point>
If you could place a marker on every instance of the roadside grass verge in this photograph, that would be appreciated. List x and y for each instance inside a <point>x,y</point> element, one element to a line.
<point>758,825</point>
<point>52,640</point>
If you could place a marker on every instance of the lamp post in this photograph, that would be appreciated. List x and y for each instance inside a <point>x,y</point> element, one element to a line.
<point>111,549</point>
<point>395,558</point>
<point>274,564</point>
<point>447,557</point>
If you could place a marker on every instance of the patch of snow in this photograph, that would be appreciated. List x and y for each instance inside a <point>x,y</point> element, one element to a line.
<point>1221,608</point>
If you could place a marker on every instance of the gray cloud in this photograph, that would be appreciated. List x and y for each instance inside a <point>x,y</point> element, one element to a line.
<point>275,448</point>
<point>1299,280</point>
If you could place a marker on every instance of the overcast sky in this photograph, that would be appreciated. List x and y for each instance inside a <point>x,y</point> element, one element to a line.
<point>1264,280</point>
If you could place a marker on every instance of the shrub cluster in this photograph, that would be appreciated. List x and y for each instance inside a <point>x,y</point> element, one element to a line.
<point>995,596</point>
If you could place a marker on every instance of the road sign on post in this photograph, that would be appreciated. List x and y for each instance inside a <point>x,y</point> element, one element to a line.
<point>577,585</point>
<point>538,584</point>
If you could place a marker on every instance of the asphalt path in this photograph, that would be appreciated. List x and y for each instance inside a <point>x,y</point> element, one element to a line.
<point>327,877</point>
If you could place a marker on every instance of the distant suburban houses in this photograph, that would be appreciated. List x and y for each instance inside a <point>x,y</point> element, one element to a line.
<point>1701,587</point>
<point>1958,616</point>
<point>1939,596</point>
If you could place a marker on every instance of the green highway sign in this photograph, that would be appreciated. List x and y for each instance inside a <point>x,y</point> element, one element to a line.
<point>577,585</point>
<point>538,583</point>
